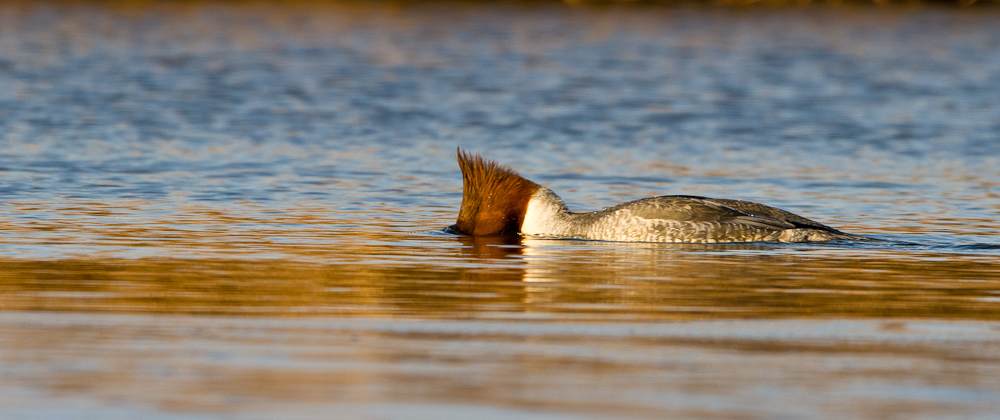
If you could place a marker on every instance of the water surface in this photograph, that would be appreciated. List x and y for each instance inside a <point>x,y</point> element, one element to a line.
<point>218,210</point>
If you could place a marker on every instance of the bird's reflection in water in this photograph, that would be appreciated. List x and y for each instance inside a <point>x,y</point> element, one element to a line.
<point>491,247</point>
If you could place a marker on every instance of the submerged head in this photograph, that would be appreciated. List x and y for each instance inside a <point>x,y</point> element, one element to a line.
<point>494,197</point>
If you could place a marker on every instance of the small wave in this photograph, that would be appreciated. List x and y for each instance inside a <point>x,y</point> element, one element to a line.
<point>935,243</point>
<point>978,247</point>
<point>447,231</point>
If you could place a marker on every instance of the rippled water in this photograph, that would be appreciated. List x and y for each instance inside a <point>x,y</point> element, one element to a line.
<point>207,172</point>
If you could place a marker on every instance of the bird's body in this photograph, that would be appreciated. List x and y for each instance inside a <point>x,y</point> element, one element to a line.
<point>496,200</point>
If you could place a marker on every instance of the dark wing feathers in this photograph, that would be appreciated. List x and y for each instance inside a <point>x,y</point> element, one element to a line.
<point>702,209</point>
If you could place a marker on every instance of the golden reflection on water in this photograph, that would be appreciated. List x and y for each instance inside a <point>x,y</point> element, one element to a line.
<point>452,277</point>
<point>145,258</point>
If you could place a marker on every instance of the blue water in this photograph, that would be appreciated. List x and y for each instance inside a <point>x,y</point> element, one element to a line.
<point>882,127</point>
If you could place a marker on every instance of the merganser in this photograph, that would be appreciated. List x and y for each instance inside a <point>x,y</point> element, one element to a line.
<point>498,201</point>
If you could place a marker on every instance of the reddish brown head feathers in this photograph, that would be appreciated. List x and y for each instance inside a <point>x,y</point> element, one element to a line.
<point>494,197</point>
